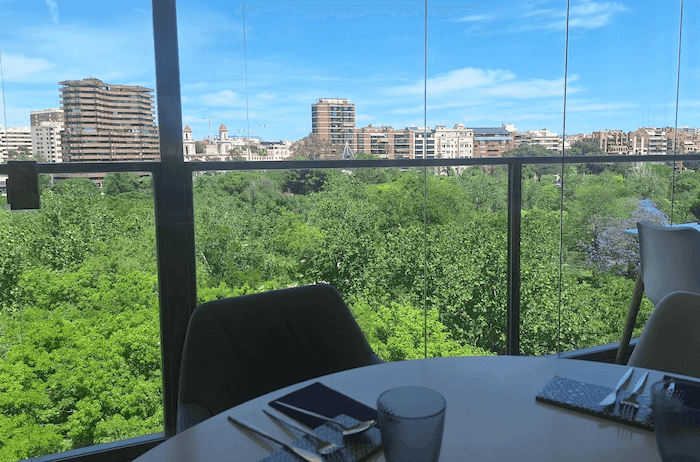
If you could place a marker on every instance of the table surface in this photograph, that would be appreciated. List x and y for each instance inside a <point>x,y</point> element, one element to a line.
<point>491,413</point>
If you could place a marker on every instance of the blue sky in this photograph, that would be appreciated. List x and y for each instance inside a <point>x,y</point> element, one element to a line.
<point>488,63</point>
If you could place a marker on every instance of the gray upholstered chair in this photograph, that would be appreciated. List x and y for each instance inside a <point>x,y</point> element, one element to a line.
<point>670,340</point>
<point>240,348</point>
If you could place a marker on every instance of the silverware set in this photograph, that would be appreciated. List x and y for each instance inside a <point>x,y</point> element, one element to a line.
<point>628,406</point>
<point>323,447</point>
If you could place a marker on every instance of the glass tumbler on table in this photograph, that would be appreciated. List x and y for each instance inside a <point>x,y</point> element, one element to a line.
<point>411,422</point>
<point>676,410</point>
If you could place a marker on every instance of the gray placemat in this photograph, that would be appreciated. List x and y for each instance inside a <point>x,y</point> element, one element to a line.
<point>355,448</point>
<point>584,397</point>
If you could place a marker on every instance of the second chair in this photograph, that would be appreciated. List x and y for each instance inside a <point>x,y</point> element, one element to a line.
<point>240,348</point>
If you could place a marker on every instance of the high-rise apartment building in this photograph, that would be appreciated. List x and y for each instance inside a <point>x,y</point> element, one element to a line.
<point>334,120</point>
<point>104,122</point>
<point>14,139</point>
<point>46,129</point>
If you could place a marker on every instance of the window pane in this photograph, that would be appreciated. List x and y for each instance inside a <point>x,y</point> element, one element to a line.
<point>618,103</point>
<point>79,323</point>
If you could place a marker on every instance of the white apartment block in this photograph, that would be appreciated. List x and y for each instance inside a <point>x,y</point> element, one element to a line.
<point>273,150</point>
<point>12,139</point>
<point>424,142</point>
<point>545,138</point>
<point>453,143</point>
<point>46,126</point>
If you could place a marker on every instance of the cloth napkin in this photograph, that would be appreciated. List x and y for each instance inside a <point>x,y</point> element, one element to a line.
<point>325,401</point>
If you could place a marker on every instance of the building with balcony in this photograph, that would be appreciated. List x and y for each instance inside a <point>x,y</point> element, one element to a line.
<point>385,142</point>
<point>648,140</point>
<point>453,143</point>
<point>493,141</point>
<point>610,141</point>
<point>424,142</point>
<point>12,139</point>
<point>46,126</point>
<point>334,119</point>
<point>105,122</point>
<point>687,141</point>
<point>545,138</point>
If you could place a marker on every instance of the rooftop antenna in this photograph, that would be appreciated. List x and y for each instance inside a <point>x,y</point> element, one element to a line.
<point>209,125</point>
<point>4,112</point>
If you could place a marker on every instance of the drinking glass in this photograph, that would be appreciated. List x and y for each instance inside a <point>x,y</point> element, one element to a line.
<point>411,421</point>
<point>676,411</point>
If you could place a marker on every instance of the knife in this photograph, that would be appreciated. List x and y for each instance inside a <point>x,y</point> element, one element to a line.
<point>610,399</point>
<point>303,453</point>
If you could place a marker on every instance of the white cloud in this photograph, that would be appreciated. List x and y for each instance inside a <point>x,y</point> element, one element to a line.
<point>222,98</point>
<point>53,10</point>
<point>266,96</point>
<point>533,88</point>
<point>23,69</point>
<point>462,86</point>
<point>588,15</point>
<point>459,79</point>
<point>475,18</point>
<point>594,15</point>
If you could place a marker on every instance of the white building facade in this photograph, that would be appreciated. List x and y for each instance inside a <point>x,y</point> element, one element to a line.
<point>14,138</point>
<point>46,126</point>
<point>453,143</point>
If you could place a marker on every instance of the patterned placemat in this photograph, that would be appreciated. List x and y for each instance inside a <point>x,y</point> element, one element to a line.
<point>354,448</point>
<point>584,397</point>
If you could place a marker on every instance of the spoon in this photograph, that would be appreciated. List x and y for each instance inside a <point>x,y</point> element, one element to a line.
<point>322,446</point>
<point>347,431</point>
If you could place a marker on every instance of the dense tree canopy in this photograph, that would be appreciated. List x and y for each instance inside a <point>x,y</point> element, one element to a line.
<point>79,326</point>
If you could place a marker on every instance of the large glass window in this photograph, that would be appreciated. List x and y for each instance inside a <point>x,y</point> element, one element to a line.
<point>374,136</point>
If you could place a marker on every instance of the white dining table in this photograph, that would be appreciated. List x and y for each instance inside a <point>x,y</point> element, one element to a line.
<point>492,414</point>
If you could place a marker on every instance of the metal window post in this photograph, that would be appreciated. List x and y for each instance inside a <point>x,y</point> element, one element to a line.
<point>174,210</point>
<point>515,171</point>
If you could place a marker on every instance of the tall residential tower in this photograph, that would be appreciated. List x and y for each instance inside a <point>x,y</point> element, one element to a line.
<point>104,122</point>
<point>334,120</point>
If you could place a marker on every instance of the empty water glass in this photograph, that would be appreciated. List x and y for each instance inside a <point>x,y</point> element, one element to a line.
<point>411,422</point>
<point>676,411</point>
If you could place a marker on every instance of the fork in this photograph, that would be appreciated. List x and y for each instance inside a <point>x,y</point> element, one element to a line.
<point>630,404</point>
<point>612,397</point>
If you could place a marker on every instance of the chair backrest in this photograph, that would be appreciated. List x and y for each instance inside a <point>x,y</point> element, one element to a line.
<point>670,340</point>
<point>239,348</point>
<point>669,260</point>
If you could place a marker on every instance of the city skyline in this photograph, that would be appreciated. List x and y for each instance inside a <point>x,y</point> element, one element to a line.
<point>488,64</point>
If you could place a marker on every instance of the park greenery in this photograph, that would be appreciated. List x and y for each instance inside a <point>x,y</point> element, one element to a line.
<point>79,319</point>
